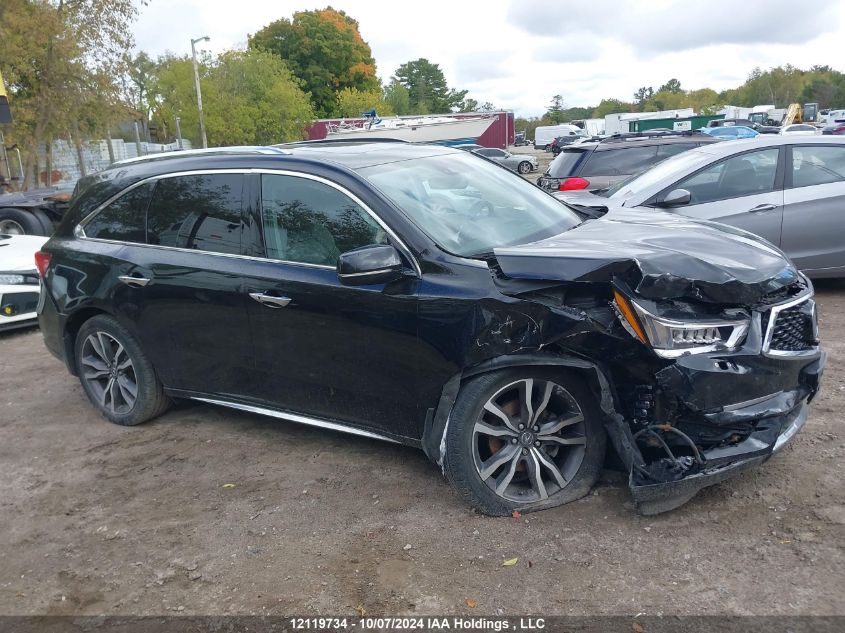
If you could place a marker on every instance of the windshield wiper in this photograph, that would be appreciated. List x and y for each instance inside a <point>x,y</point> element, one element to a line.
<point>588,211</point>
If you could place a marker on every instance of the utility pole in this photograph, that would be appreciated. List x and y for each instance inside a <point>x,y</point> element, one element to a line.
<point>197,84</point>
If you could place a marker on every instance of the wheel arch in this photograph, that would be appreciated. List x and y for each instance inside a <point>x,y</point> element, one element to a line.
<point>594,375</point>
<point>72,326</point>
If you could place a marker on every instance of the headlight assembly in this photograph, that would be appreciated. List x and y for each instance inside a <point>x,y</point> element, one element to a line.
<point>671,338</point>
<point>11,279</point>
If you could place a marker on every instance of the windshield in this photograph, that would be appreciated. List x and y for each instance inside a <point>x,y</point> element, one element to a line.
<point>663,170</point>
<point>468,205</point>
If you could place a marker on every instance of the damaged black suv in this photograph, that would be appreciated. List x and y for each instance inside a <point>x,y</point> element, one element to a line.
<point>421,295</point>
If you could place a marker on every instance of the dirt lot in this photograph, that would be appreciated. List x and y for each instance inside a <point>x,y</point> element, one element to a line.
<point>99,519</point>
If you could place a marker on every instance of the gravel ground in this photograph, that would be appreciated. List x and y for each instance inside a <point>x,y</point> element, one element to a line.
<point>100,519</point>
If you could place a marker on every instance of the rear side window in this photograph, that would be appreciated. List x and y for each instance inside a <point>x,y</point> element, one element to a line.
<point>123,219</point>
<point>817,165</point>
<point>201,212</point>
<point>620,162</point>
<point>566,163</point>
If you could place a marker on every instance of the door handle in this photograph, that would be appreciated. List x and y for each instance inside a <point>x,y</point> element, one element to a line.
<point>763,207</point>
<point>130,280</point>
<point>269,300</point>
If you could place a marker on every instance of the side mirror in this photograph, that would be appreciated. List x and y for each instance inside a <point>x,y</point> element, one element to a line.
<point>675,198</point>
<point>375,264</point>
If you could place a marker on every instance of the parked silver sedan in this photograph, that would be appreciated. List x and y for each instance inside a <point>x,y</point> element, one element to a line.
<point>521,163</point>
<point>787,189</point>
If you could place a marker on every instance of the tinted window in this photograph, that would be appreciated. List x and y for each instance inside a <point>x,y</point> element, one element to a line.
<point>123,219</point>
<point>310,222</point>
<point>201,212</point>
<point>743,175</point>
<point>620,162</point>
<point>492,153</point>
<point>670,149</point>
<point>565,163</point>
<point>817,165</point>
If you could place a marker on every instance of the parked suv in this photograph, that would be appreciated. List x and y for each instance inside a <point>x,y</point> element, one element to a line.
<point>416,294</point>
<point>597,165</point>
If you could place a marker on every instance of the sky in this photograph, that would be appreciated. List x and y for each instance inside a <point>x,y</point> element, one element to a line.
<point>517,54</point>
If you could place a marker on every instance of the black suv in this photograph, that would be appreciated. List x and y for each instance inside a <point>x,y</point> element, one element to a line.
<point>599,164</point>
<point>417,294</point>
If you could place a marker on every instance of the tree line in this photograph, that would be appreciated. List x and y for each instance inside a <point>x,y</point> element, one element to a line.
<point>70,75</point>
<point>778,86</point>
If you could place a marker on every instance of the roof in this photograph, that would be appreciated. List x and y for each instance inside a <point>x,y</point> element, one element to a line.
<point>350,154</point>
<point>726,148</point>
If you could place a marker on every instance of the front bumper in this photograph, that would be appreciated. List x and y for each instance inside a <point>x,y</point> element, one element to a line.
<point>775,392</point>
<point>20,302</point>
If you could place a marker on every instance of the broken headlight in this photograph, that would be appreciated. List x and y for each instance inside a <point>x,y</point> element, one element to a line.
<point>671,338</point>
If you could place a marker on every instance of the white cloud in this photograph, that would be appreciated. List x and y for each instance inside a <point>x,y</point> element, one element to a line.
<point>518,53</point>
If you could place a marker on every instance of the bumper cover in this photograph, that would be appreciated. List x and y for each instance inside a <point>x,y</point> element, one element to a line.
<point>778,419</point>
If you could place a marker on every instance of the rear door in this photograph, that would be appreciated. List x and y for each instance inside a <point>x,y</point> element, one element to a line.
<point>180,278</point>
<point>745,190</point>
<point>814,208</point>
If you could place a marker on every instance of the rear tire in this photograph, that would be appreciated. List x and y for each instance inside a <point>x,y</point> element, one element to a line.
<point>18,222</point>
<point>498,468</point>
<point>116,375</point>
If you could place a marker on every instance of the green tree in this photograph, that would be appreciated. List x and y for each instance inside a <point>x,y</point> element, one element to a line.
<point>673,86</point>
<point>643,94</point>
<point>554,115</point>
<point>351,102</point>
<point>60,59</point>
<point>610,106</point>
<point>428,91</point>
<point>397,97</point>
<point>249,98</point>
<point>325,50</point>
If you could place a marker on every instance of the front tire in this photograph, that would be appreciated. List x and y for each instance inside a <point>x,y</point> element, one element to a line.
<point>524,167</point>
<point>18,222</point>
<point>524,439</point>
<point>116,375</point>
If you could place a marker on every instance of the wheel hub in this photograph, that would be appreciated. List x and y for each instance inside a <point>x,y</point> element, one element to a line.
<point>526,438</point>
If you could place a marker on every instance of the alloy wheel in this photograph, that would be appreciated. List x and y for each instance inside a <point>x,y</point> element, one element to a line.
<point>529,440</point>
<point>109,373</point>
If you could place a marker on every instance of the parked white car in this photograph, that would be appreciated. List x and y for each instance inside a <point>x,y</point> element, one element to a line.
<point>19,283</point>
<point>800,129</point>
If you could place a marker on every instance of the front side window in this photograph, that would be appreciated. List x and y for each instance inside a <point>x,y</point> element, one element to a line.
<point>470,207</point>
<point>123,219</point>
<point>201,212</point>
<point>744,175</point>
<point>620,162</point>
<point>817,165</point>
<point>310,222</point>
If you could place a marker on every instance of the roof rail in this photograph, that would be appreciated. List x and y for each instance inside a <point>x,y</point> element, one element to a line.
<point>619,136</point>
<point>329,141</point>
<point>234,149</point>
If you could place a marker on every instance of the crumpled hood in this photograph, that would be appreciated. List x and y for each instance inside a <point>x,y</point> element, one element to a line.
<point>661,255</point>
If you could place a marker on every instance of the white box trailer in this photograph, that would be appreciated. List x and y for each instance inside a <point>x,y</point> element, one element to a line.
<point>619,123</point>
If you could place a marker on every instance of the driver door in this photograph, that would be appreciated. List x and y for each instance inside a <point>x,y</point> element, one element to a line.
<point>322,348</point>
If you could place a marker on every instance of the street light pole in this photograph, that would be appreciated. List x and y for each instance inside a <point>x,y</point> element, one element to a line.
<point>197,84</point>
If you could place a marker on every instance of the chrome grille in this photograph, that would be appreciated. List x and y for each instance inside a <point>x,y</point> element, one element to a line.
<point>791,328</point>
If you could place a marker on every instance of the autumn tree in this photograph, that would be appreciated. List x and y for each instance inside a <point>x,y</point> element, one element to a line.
<point>428,92</point>
<point>325,50</point>
<point>61,59</point>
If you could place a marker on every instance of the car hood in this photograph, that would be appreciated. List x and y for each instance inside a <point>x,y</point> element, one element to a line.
<point>17,252</point>
<point>662,256</point>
